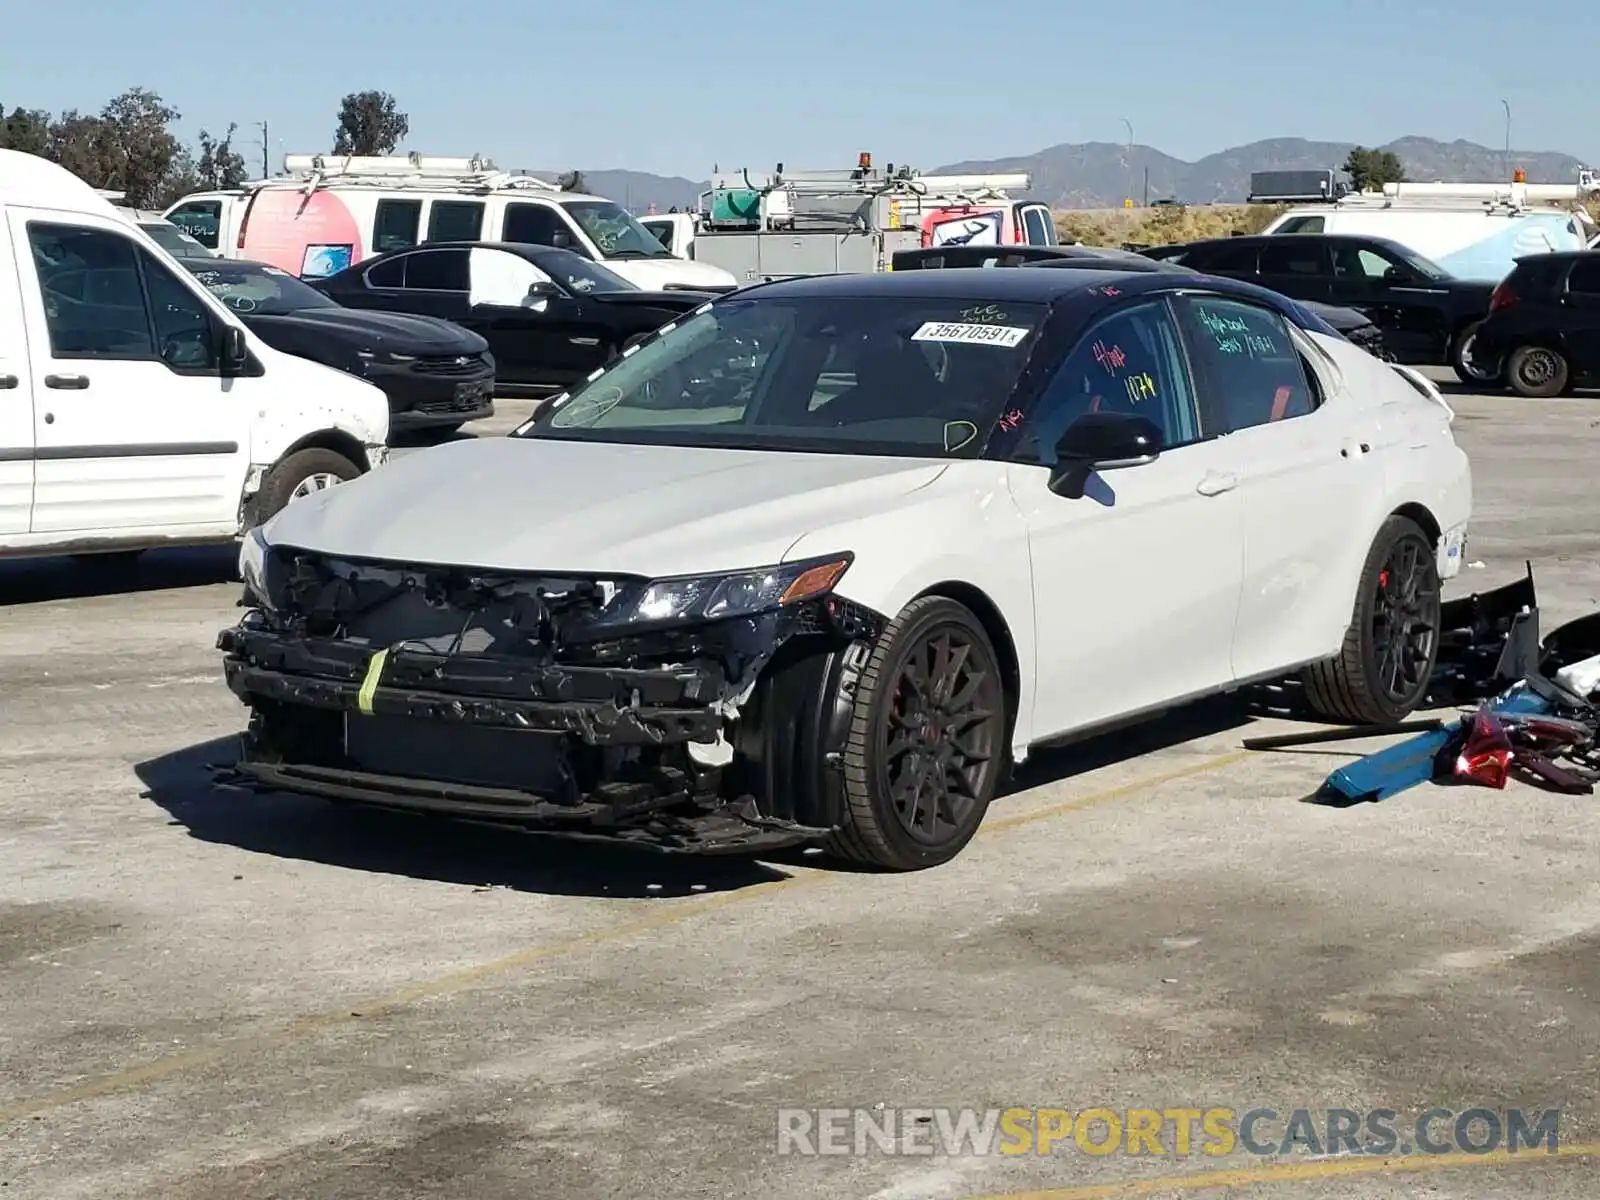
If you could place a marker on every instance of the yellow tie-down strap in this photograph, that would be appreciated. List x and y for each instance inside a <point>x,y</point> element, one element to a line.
<point>369,685</point>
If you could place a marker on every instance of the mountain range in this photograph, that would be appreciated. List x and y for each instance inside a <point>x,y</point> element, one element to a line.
<point>1102,174</point>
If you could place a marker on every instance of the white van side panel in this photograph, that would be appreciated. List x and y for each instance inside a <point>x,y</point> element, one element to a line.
<point>124,445</point>
<point>16,402</point>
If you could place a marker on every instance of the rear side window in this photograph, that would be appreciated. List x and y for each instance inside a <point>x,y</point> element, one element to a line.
<point>1037,226</point>
<point>1292,256</point>
<point>455,221</point>
<point>1585,277</point>
<point>1249,371</point>
<point>396,225</point>
<point>1223,258</point>
<point>437,271</point>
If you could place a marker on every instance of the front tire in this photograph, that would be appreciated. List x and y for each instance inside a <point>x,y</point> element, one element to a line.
<point>301,474</point>
<point>1382,673</point>
<point>926,744</point>
<point>1537,372</point>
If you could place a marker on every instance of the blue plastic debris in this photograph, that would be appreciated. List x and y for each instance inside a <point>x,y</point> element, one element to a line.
<point>1392,771</point>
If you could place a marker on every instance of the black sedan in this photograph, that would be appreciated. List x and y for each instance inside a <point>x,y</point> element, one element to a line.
<point>437,375</point>
<point>550,316</point>
<point>1352,325</point>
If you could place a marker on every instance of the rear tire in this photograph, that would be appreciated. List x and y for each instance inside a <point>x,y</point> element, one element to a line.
<point>1537,372</point>
<point>301,474</point>
<point>1382,673</point>
<point>926,746</point>
<point>1459,361</point>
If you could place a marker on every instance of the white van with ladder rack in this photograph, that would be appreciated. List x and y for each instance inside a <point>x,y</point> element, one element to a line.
<point>327,212</point>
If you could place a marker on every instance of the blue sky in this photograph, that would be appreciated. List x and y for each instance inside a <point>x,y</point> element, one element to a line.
<point>673,88</point>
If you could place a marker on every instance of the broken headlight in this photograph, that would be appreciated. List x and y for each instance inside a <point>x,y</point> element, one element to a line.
<point>739,593</point>
<point>260,568</point>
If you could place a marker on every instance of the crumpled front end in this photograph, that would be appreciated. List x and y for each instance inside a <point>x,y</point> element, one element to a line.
<point>557,704</point>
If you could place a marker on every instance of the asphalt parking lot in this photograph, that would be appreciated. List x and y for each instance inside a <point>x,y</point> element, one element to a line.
<point>204,994</point>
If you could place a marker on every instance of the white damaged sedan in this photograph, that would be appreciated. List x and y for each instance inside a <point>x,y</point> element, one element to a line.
<point>822,561</point>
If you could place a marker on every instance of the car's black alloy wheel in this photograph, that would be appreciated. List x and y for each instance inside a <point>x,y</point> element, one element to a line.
<point>926,746</point>
<point>1390,649</point>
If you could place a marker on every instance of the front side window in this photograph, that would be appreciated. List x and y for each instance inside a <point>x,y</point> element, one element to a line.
<point>1302,225</point>
<point>201,220</point>
<point>1129,362</point>
<point>94,303</point>
<point>455,221</point>
<point>391,274</point>
<point>612,228</point>
<point>532,224</point>
<point>438,271</point>
<point>832,374</point>
<point>396,225</point>
<point>1247,366</point>
<point>1358,262</point>
<point>186,337</point>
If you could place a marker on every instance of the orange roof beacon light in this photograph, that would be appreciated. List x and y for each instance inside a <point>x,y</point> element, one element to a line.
<point>1519,176</point>
<point>864,161</point>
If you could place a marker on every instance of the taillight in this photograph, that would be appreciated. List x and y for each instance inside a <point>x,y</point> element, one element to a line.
<point>244,220</point>
<point>1501,298</point>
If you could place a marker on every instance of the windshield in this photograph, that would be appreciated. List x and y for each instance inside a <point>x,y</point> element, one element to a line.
<point>175,241</point>
<point>1425,267</point>
<point>613,229</point>
<point>578,274</point>
<point>258,291</point>
<point>919,376</point>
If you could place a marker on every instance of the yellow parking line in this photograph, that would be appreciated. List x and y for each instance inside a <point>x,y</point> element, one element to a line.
<point>1299,1172</point>
<point>462,980</point>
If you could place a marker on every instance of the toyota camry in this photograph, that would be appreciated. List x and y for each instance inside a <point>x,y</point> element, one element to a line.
<point>824,559</point>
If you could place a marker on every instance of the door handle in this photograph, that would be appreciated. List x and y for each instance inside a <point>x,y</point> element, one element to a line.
<point>8,382</point>
<point>1215,483</point>
<point>67,382</point>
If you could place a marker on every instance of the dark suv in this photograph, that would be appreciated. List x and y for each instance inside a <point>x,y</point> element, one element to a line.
<point>1427,315</point>
<point>1543,332</point>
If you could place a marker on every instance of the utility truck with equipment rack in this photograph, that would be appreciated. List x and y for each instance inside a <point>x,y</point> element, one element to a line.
<point>327,212</point>
<point>781,224</point>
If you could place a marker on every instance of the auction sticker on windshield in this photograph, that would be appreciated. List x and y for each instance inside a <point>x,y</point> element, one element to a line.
<point>984,335</point>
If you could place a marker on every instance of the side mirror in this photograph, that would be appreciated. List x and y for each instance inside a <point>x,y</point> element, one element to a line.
<point>561,241</point>
<point>1102,442</point>
<point>235,350</point>
<point>543,289</point>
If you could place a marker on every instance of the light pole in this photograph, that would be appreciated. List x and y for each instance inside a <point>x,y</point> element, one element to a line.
<point>1127,198</point>
<point>1506,104</point>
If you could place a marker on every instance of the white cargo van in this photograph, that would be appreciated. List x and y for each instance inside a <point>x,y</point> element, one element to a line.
<point>328,212</point>
<point>1471,242</point>
<point>135,410</point>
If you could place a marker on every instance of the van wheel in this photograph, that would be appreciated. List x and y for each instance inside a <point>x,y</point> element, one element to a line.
<point>1460,360</point>
<point>303,473</point>
<point>1537,372</point>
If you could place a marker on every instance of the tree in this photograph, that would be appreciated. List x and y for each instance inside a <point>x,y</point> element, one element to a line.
<point>1369,170</point>
<point>26,129</point>
<point>219,166</point>
<point>369,123</point>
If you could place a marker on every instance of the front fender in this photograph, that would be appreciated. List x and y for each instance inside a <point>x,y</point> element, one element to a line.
<point>964,528</point>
